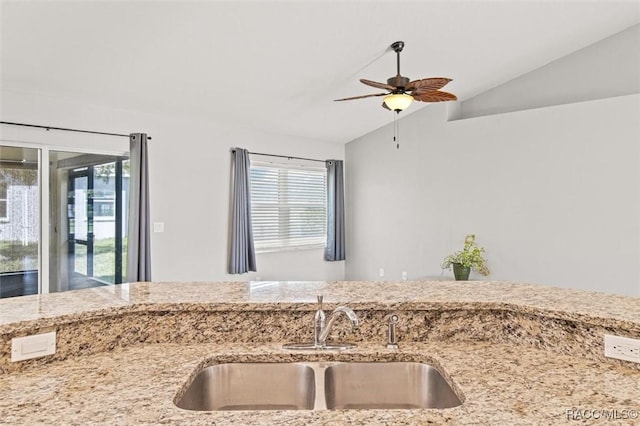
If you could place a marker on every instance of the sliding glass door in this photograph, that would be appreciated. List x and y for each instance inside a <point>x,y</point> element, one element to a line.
<point>63,222</point>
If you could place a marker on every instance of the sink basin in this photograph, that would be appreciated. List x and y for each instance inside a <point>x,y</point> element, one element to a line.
<point>318,386</point>
<point>390,385</point>
<point>256,386</point>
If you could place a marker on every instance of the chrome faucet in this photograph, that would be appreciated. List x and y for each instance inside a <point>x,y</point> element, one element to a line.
<point>324,332</point>
<point>322,327</point>
<point>318,323</point>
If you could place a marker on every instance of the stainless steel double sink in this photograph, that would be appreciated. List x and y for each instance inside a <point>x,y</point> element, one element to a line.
<point>318,386</point>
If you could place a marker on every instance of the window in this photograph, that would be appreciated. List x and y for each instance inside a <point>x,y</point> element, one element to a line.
<point>288,206</point>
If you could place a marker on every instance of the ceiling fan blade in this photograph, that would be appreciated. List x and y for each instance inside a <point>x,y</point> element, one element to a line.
<point>360,97</point>
<point>376,84</point>
<point>427,84</point>
<point>435,96</point>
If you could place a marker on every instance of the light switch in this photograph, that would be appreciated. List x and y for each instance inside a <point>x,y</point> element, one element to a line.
<point>158,226</point>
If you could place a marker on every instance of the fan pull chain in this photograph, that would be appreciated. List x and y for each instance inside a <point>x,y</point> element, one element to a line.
<point>396,130</point>
<point>394,127</point>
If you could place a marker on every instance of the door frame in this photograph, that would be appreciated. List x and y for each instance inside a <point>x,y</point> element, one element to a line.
<point>71,237</point>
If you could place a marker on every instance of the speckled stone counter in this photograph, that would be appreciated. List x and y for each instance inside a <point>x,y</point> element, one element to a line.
<point>517,354</point>
<point>502,384</point>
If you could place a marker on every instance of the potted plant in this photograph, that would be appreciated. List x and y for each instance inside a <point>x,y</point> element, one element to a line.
<point>466,259</point>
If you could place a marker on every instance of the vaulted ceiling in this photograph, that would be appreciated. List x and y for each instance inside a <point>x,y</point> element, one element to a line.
<point>276,66</point>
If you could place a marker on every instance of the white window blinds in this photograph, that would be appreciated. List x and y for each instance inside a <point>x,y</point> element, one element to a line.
<point>288,206</point>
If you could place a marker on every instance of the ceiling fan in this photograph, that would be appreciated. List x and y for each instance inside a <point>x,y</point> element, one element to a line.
<point>401,91</point>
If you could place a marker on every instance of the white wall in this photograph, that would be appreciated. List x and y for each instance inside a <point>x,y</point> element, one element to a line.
<point>552,193</point>
<point>608,68</point>
<point>552,190</point>
<point>189,181</point>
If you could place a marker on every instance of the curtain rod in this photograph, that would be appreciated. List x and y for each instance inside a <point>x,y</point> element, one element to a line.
<point>288,157</point>
<point>66,129</point>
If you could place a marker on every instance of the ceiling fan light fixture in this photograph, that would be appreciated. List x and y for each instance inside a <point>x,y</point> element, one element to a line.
<point>398,101</point>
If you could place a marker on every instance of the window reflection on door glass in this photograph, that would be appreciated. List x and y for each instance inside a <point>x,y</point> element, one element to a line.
<point>79,206</point>
<point>19,221</point>
<point>104,222</point>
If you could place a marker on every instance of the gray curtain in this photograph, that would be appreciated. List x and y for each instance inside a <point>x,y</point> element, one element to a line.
<point>242,255</point>
<point>138,241</point>
<point>335,249</point>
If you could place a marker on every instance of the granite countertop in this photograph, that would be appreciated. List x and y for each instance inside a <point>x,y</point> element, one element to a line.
<point>506,378</point>
<point>301,295</point>
<point>501,384</point>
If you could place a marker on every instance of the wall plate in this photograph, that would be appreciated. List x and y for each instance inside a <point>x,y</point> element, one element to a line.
<point>33,346</point>
<point>623,348</point>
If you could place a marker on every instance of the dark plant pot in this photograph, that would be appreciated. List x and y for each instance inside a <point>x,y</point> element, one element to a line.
<point>461,272</point>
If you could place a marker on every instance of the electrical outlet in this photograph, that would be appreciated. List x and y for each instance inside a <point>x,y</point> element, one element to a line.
<point>622,348</point>
<point>381,272</point>
<point>404,275</point>
<point>33,346</point>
